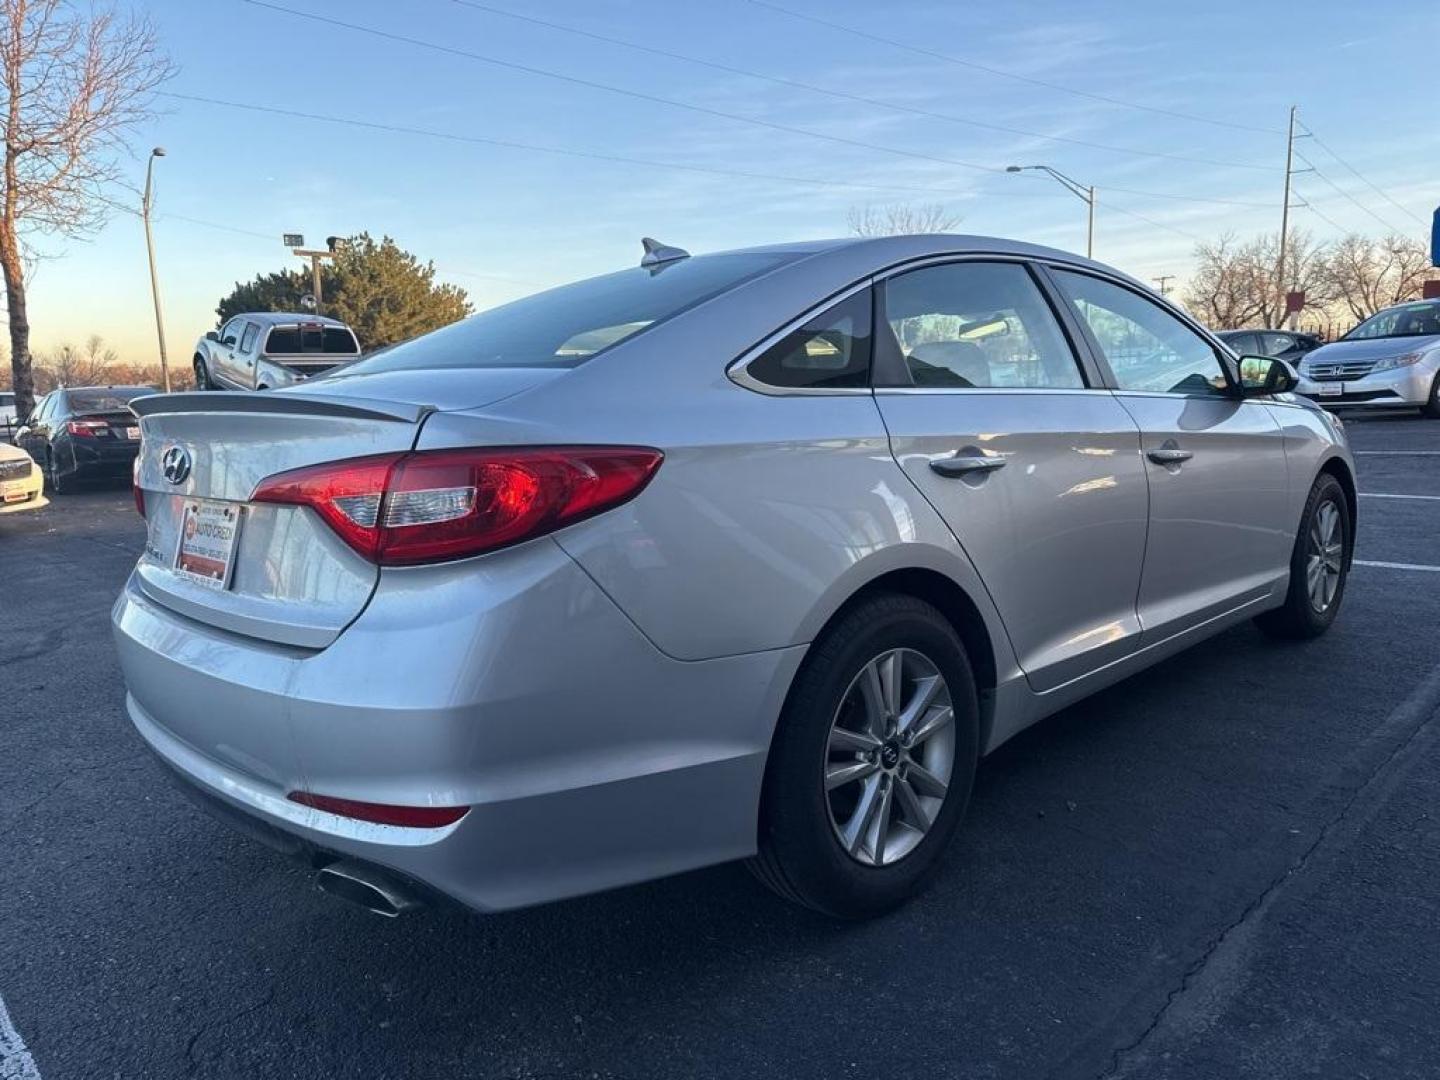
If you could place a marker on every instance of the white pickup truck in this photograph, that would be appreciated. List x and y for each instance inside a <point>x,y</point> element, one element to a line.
<point>266,349</point>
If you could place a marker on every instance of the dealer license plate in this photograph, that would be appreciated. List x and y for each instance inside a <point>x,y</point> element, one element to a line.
<point>1334,389</point>
<point>206,552</point>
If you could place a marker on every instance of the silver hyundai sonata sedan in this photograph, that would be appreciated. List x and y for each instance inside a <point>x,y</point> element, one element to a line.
<point>749,555</point>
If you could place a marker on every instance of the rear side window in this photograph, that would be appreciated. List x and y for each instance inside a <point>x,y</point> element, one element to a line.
<point>976,324</point>
<point>247,340</point>
<point>565,327</point>
<point>830,352</point>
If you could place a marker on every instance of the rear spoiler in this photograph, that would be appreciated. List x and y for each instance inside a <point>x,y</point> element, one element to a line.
<point>268,401</point>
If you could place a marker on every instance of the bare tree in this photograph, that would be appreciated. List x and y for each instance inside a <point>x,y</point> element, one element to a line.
<point>77,79</point>
<point>69,366</point>
<point>1368,274</point>
<point>1234,283</point>
<point>900,219</point>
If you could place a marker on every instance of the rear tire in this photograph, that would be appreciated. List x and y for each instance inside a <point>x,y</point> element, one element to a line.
<point>1431,408</point>
<point>827,760</point>
<point>1319,566</point>
<point>52,476</point>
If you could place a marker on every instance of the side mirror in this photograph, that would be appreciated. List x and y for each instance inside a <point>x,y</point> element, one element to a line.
<point>1261,376</point>
<point>212,335</point>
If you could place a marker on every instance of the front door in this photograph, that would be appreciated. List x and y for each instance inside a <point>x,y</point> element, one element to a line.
<point>1037,473</point>
<point>1220,529</point>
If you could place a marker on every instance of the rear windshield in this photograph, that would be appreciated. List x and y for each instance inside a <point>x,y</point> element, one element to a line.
<point>111,399</point>
<point>564,327</point>
<point>290,340</point>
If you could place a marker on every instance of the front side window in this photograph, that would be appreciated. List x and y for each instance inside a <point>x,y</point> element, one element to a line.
<point>976,324</point>
<point>1146,346</point>
<point>1275,344</point>
<point>230,333</point>
<point>830,352</point>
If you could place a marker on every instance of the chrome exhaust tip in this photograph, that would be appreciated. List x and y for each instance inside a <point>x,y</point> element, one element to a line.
<point>368,887</point>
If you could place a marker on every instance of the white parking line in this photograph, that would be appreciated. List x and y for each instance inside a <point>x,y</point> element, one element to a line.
<point>1400,453</point>
<point>1381,495</point>
<point>1398,565</point>
<point>15,1061</point>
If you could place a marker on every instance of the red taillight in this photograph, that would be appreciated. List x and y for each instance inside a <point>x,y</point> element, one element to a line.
<point>413,817</point>
<point>87,429</point>
<point>432,505</point>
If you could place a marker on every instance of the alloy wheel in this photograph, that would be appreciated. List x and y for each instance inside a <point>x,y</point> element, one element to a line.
<point>1325,556</point>
<point>889,758</point>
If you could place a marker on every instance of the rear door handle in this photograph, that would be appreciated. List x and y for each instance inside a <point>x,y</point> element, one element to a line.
<point>1168,455</point>
<point>963,464</point>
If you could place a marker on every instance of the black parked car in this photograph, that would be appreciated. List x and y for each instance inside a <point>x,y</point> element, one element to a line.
<point>1282,344</point>
<point>83,432</point>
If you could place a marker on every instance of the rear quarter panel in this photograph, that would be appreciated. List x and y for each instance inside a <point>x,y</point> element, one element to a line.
<point>766,516</point>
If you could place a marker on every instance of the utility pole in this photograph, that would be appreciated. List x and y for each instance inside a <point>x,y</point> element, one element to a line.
<point>1285,206</point>
<point>1163,281</point>
<point>145,203</point>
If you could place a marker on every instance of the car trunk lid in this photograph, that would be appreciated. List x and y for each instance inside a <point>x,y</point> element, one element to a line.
<point>290,580</point>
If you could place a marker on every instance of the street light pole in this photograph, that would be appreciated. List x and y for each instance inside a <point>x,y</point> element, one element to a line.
<point>145,204</point>
<point>1086,194</point>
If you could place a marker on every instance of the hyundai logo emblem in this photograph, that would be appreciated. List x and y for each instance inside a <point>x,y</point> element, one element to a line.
<point>175,464</point>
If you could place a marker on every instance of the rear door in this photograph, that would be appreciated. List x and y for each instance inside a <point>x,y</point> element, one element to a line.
<point>1220,530</point>
<point>1033,465</point>
<point>223,352</point>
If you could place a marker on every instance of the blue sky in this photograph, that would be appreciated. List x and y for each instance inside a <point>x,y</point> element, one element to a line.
<point>503,221</point>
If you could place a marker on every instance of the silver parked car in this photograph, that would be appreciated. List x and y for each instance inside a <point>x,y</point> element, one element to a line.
<point>750,555</point>
<point>260,350</point>
<point>1392,359</point>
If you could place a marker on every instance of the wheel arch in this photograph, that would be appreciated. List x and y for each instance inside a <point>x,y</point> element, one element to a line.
<point>1338,468</point>
<point>960,609</point>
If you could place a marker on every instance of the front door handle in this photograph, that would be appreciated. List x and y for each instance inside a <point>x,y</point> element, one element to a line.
<point>963,464</point>
<point>1169,454</point>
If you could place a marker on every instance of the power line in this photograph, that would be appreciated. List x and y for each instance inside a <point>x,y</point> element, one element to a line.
<point>962,62</point>
<point>844,95</point>
<point>1378,191</point>
<point>1308,205</point>
<point>1341,191</point>
<point>702,109</point>
<point>639,95</point>
<point>1110,205</point>
<point>511,144</point>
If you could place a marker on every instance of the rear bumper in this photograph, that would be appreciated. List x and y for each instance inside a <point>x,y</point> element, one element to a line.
<point>96,457</point>
<point>1407,387</point>
<point>509,684</point>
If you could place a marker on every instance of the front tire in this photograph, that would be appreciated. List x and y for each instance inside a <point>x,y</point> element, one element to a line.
<point>1319,566</point>
<point>202,375</point>
<point>872,763</point>
<point>1431,408</point>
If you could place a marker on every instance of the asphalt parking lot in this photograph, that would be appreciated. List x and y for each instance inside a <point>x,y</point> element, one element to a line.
<point>1228,866</point>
